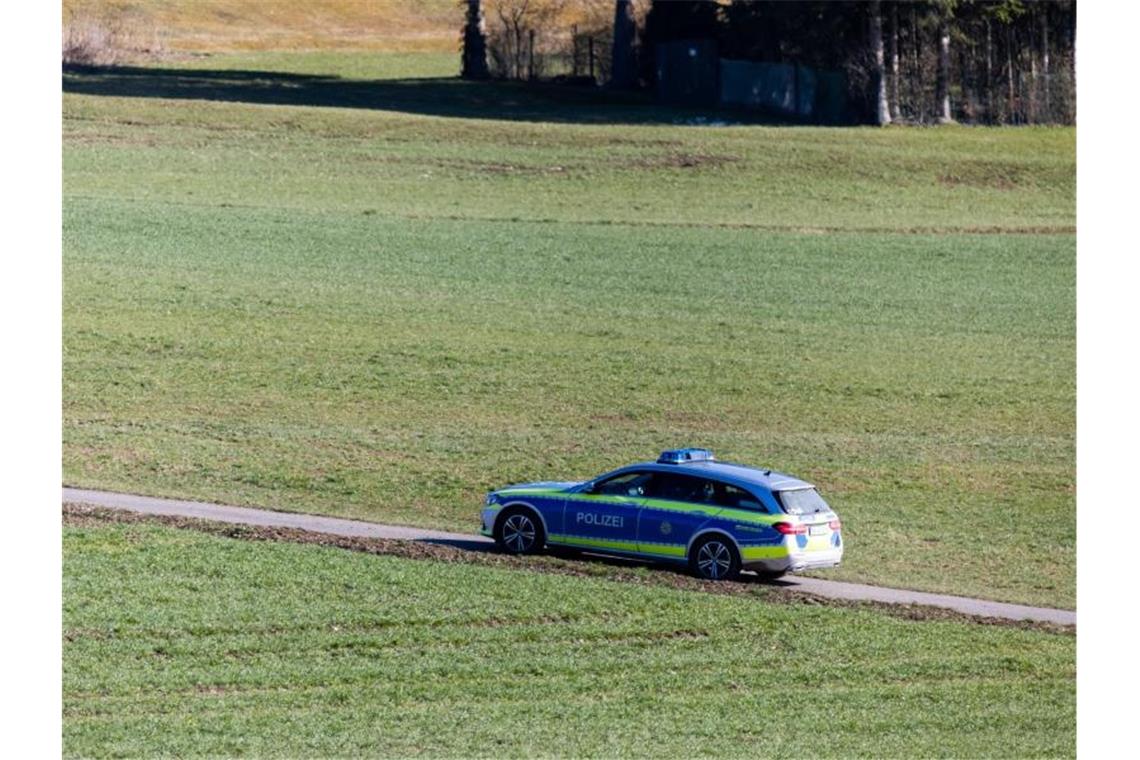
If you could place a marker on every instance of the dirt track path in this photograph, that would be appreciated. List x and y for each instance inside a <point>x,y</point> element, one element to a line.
<point>357,528</point>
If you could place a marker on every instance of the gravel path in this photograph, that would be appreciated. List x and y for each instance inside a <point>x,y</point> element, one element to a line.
<point>357,528</point>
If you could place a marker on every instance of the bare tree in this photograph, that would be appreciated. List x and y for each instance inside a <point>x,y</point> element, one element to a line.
<point>513,17</point>
<point>474,43</point>
<point>624,62</point>
<point>879,78</point>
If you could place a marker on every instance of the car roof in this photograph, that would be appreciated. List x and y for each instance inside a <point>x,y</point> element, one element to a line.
<point>730,472</point>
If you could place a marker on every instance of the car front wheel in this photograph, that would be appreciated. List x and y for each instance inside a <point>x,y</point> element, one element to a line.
<point>518,532</point>
<point>714,558</point>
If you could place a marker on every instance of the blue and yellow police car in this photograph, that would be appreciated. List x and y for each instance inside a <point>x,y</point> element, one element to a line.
<point>686,507</point>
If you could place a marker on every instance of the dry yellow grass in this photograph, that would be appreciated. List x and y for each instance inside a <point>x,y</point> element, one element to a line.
<point>224,25</point>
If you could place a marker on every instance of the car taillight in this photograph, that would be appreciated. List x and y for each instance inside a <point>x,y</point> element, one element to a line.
<point>790,530</point>
<point>834,525</point>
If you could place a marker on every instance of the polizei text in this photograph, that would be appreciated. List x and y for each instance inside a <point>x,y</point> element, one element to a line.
<point>590,518</point>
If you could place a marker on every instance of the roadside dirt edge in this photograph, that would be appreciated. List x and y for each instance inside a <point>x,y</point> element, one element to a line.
<point>82,515</point>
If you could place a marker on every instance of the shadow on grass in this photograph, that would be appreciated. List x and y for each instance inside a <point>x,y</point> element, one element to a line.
<point>513,101</point>
<point>610,560</point>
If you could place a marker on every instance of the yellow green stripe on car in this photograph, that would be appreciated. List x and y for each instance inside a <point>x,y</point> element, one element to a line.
<point>595,543</point>
<point>753,553</point>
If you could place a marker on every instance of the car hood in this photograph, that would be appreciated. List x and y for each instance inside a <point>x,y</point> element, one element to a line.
<point>542,485</point>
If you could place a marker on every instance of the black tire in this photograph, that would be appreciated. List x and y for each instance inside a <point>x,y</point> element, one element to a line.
<point>519,531</point>
<point>714,558</point>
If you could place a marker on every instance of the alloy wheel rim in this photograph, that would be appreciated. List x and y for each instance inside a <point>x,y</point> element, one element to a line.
<point>518,533</point>
<point>714,560</point>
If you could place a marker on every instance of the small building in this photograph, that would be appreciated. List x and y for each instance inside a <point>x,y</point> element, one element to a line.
<point>691,73</point>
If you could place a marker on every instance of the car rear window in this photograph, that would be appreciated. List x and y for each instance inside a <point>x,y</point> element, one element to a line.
<point>802,501</point>
<point>735,498</point>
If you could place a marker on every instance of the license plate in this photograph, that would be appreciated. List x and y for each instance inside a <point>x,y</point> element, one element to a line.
<point>818,530</point>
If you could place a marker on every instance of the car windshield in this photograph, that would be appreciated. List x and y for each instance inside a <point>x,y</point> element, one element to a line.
<point>802,501</point>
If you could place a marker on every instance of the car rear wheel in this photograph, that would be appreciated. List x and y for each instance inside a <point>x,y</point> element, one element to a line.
<point>519,532</point>
<point>714,558</point>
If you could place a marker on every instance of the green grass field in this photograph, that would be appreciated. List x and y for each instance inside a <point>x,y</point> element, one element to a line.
<point>179,643</point>
<point>335,295</point>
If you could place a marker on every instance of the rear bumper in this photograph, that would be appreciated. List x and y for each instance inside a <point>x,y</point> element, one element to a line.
<point>796,561</point>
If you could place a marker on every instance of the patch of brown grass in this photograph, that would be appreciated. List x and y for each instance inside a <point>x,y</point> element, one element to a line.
<point>103,39</point>
<point>232,25</point>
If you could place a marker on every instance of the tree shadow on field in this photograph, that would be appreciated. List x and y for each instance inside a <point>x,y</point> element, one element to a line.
<point>444,96</point>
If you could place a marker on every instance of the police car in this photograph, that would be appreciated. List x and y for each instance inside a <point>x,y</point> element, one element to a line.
<point>686,507</point>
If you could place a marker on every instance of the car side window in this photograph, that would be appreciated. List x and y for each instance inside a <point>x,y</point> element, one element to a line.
<point>625,484</point>
<point>682,488</point>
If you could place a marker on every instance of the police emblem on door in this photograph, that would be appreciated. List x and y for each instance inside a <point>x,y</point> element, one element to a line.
<point>666,528</point>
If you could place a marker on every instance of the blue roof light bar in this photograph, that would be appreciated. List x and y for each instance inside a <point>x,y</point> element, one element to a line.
<point>681,456</point>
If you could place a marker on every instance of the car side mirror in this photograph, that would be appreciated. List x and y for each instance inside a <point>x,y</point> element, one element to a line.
<point>589,488</point>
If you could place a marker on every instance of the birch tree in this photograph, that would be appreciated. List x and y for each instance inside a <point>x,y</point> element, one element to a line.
<point>879,78</point>
<point>944,114</point>
<point>896,112</point>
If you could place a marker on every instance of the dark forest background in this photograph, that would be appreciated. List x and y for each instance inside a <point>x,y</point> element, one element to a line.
<point>976,61</point>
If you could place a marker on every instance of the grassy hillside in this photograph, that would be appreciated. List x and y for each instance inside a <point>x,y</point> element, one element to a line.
<point>197,26</point>
<point>223,647</point>
<point>372,303</point>
<point>556,154</point>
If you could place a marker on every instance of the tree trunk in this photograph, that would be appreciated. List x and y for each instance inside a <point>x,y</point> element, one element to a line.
<point>574,67</point>
<point>1009,73</point>
<point>1047,115</point>
<point>623,69</point>
<point>530,73</point>
<point>917,86</point>
<point>879,77</point>
<point>968,102</point>
<point>896,112</point>
<point>474,43</point>
<point>1072,32</point>
<point>1031,110</point>
<point>944,115</point>
<point>990,73</point>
